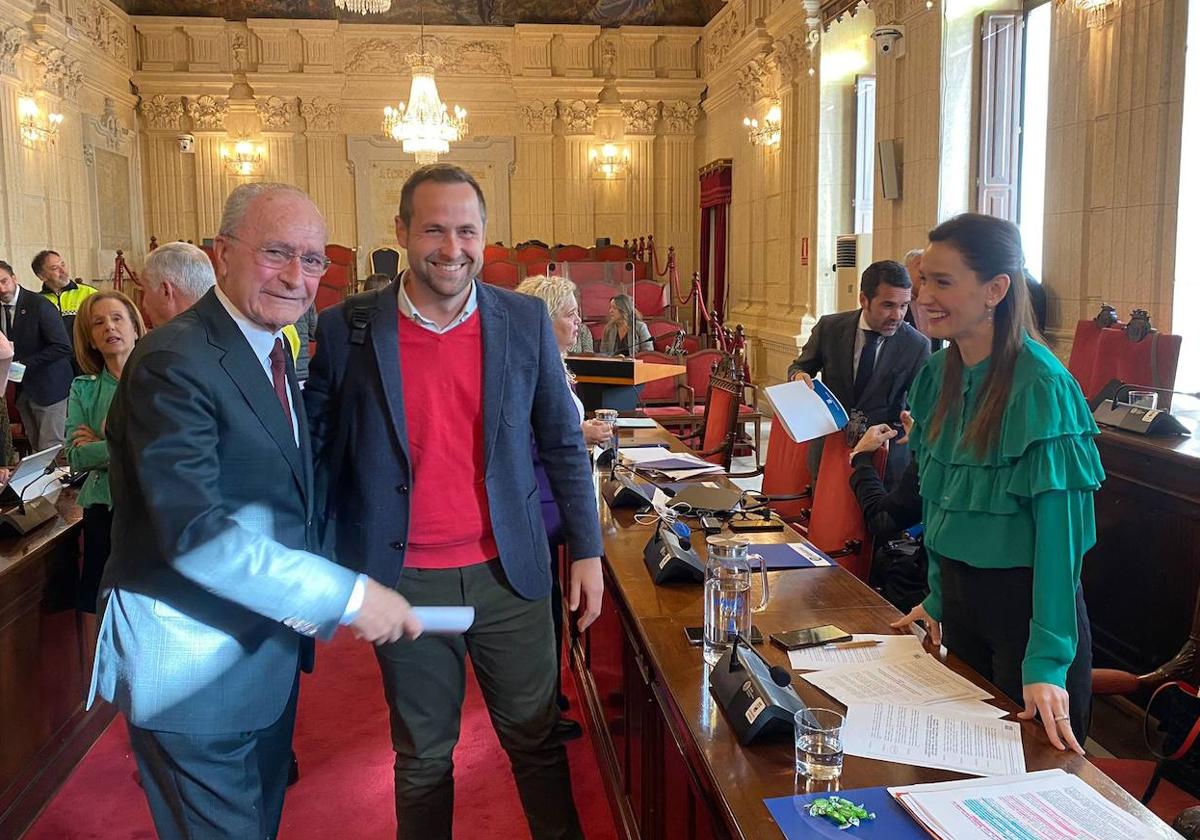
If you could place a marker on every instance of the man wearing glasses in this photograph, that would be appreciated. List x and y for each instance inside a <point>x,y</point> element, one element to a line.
<point>212,594</point>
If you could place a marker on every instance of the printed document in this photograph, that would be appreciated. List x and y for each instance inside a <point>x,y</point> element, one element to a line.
<point>806,413</point>
<point>911,680</point>
<point>822,657</point>
<point>931,736</point>
<point>1047,805</point>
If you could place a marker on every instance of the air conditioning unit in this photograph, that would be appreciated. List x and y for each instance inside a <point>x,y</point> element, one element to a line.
<point>853,257</point>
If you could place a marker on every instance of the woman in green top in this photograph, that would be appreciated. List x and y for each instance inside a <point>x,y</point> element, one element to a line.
<point>1003,442</point>
<point>106,329</point>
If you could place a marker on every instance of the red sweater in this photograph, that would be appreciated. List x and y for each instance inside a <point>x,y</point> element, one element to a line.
<point>450,525</point>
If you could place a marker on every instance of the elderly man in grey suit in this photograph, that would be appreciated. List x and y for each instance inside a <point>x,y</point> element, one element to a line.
<point>868,357</point>
<point>211,595</point>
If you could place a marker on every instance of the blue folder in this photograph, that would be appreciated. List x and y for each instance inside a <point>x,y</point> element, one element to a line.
<point>891,821</point>
<point>781,556</point>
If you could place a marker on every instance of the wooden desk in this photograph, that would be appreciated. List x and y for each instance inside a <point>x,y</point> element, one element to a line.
<point>45,666</point>
<point>671,762</point>
<point>1142,578</point>
<point>613,381</point>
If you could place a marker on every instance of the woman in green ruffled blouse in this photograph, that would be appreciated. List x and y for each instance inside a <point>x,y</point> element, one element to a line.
<point>1003,443</point>
<point>106,329</point>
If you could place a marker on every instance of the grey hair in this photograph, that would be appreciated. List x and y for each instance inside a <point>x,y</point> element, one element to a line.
<point>184,266</point>
<point>913,254</point>
<point>243,196</point>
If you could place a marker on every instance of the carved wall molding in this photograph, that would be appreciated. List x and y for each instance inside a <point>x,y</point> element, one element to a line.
<point>61,74</point>
<point>321,113</point>
<point>102,29</point>
<point>577,116</point>
<point>162,112</point>
<point>457,57</point>
<point>794,53</point>
<point>537,117</point>
<point>11,38</point>
<point>639,116</point>
<point>89,154</point>
<point>679,117</point>
<point>754,79</point>
<point>724,36</point>
<point>207,112</point>
<point>109,128</point>
<point>386,56</point>
<point>275,112</point>
<point>479,58</point>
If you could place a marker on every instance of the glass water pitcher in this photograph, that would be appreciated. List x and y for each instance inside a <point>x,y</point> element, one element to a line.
<point>727,609</point>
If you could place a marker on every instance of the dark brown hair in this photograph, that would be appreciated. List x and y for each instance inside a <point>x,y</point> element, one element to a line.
<point>990,247</point>
<point>90,359</point>
<point>438,173</point>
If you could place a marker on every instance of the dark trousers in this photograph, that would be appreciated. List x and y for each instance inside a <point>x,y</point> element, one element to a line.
<point>424,681</point>
<point>985,623</point>
<point>97,543</point>
<point>217,787</point>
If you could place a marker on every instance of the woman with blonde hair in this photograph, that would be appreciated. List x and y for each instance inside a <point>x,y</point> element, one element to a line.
<point>106,328</point>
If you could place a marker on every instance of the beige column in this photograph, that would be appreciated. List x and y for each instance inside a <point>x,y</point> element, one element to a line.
<point>677,205</point>
<point>533,197</point>
<point>573,206</point>
<point>639,119</point>
<point>329,178</point>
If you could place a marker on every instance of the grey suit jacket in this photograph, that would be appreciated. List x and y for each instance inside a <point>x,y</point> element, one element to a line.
<point>830,352</point>
<point>209,586</point>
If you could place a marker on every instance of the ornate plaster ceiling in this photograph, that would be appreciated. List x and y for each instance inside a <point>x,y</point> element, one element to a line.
<point>457,12</point>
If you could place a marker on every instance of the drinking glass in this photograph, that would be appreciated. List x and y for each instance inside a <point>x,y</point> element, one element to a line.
<point>609,415</point>
<point>819,743</point>
<point>1144,399</point>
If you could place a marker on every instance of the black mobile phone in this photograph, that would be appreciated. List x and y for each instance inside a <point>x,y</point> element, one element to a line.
<point>695,635</point>
<point>810,637</point>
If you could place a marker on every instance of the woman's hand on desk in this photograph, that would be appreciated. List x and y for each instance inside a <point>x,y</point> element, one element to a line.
<point>587,580</point>
<point>917,613</point>
<point>596,432</point>
<point>1052,704</point>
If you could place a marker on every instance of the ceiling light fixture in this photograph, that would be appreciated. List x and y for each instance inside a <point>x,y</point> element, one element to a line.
<point>424,128</point>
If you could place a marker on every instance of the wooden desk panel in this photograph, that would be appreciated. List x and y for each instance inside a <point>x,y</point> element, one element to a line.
<point>46,651</point>
<point>671,762</point>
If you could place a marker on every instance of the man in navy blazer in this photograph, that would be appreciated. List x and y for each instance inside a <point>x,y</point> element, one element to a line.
<point>422,398</point>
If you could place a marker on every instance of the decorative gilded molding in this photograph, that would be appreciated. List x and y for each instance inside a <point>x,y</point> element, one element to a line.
<point>162,112</point>
<point>639,116</point>
<point>320,113</point>
<point>753,79</point>
<point>538,117</point>
<point>275,112</point>
<point>577,116</point>
<point>61,74</point>
<point>11,38</point>
<point>102,29</point>
<point>724,36</point>
<point>207,112</point>
<point>679,117</point>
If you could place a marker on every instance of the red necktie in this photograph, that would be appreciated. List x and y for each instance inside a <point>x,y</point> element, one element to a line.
<point>279,377</point>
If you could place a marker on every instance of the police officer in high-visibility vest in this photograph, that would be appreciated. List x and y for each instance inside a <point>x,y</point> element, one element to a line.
<point>59,288</point>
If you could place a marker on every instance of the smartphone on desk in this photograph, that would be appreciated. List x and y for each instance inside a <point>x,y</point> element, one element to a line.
<point>810,637</point>
<point>695,635</point>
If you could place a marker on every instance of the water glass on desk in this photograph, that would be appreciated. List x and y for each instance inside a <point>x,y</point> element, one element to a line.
<point>609,416</point>
<point>819,743</point>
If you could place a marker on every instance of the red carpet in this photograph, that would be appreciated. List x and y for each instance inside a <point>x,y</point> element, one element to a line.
<point>345,787</point>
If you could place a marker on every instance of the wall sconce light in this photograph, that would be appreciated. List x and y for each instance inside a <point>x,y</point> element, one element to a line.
<point>243,159</point>
<point>34,130</point>
<point>768,133</point>
<point>1096,11</point>
<point>608,161</point>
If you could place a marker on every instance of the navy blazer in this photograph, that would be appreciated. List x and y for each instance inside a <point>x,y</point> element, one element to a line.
<point>355,403</point>
<point>40,342</point>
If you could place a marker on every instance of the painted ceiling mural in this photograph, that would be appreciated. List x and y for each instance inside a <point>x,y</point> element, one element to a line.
<point>455,12</point>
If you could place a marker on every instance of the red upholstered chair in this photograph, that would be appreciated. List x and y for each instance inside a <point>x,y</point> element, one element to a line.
<point>716,438</point>
<point>699,370</point>
<point>492,253</point>
<point>650,298</point>
<point>1082,362</point>
<point>532,253</point>
<point>1151,361</point>
<point>582,273</point>
<point>594,298</point>
<point>669,401</point>
<point>641,271</point>
<point>503,273</point>
<point>663,331</point>
<point>544,267</point>
<point>338,279</point>
<point>596,328</point>
<point>786,483</point>
<point>567,253</point>
<point>15,427</point>
<point>610,253</point>
<point>836,525</point>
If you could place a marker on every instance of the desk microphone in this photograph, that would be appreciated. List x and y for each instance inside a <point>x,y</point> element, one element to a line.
<point>21,496</point>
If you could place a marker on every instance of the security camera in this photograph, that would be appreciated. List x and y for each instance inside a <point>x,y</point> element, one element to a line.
<point>889,41</point>
<point>187,143</point>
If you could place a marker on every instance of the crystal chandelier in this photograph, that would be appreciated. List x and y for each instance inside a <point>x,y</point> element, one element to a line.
<point>364,7</point>
<point>425,128</point>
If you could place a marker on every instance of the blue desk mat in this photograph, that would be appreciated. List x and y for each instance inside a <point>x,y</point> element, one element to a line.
<point>781,556</point>
<point>891,821</point>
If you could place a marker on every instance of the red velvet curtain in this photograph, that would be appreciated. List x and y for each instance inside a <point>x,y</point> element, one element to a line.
<point>716,190</point>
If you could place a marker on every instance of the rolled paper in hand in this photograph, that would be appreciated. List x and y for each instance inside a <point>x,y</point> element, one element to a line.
<point>446,621</point>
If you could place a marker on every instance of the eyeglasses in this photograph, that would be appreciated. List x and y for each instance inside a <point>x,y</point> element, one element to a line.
<point>313,265</point>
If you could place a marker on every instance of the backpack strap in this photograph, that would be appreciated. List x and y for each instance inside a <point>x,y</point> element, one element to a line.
<point>360,312</point>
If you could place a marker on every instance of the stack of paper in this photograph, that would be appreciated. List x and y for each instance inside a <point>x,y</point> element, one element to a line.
<point>823,657</point>
<point>1047,805</point>
<point>635,423</point>
<point>933,736</point>
<point>917,678</point>
<point>674,464</point>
